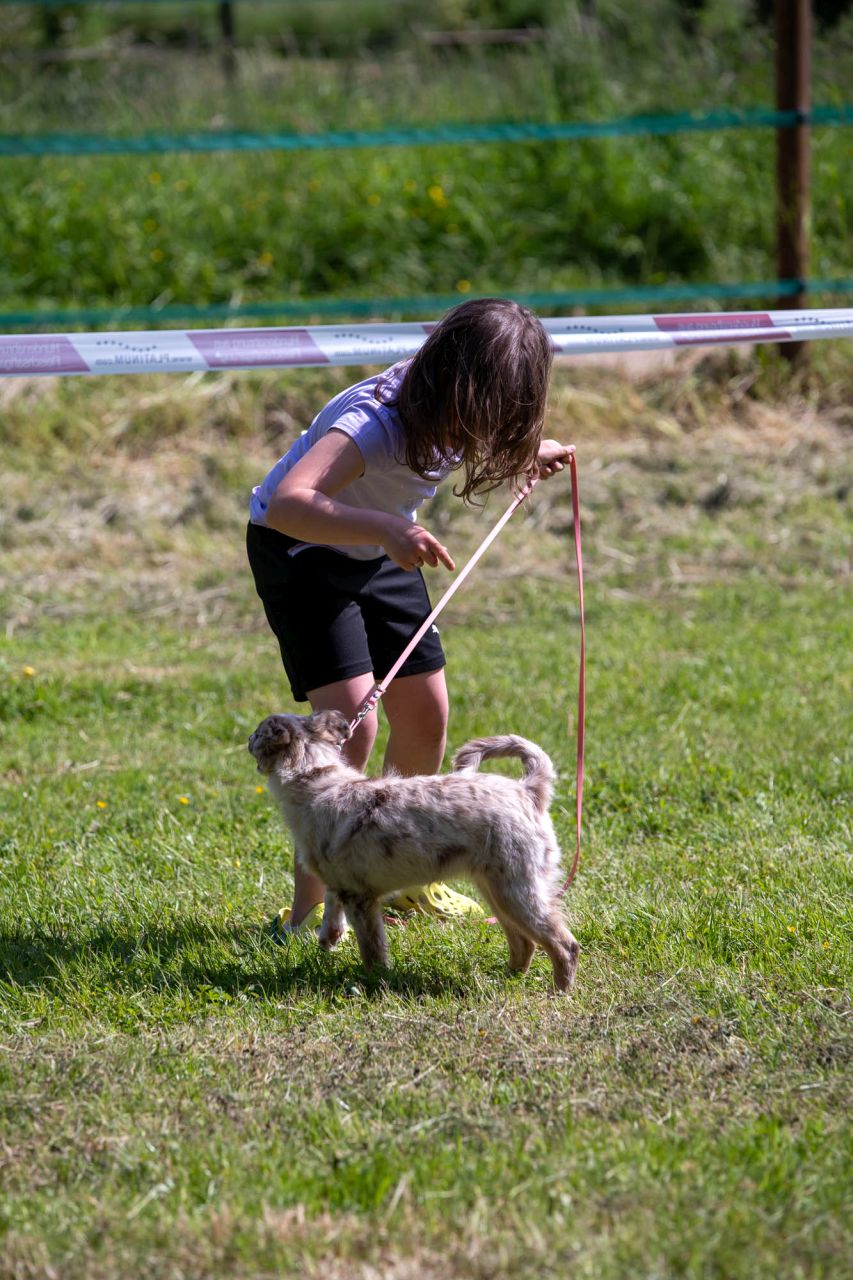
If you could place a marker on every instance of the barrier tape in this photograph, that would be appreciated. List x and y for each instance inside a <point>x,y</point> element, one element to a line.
<point>92,144</point>
<point>188,351</point>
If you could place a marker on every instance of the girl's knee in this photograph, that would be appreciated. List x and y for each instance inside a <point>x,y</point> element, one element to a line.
<point>417,711</point>
<point>427,736</point>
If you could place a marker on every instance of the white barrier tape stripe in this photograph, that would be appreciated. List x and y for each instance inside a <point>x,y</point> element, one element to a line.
<point>186,351</point>
<point>683,320</point>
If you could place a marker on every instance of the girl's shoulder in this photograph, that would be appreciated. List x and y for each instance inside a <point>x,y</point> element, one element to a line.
<point>386,388</point>
<point>376,394</point>
<point>367,412</point>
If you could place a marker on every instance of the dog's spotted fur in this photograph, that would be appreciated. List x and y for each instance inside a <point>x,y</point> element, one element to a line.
<point>368,837</point>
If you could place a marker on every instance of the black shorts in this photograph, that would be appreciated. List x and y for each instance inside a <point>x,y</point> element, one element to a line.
<point>335,617</point>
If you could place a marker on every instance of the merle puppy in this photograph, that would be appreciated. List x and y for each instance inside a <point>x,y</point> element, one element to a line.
<point>368,837</point>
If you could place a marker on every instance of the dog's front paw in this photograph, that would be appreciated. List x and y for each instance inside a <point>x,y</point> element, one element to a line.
<point>334,924</point>
<point>329,938</point>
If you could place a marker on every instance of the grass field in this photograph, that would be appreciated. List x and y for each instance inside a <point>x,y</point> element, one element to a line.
<point>180,1097</point>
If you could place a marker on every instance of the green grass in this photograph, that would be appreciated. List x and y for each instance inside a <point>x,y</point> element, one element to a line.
<point>392,222</point>
<point>179,1094</point>
<point>167,1067</point>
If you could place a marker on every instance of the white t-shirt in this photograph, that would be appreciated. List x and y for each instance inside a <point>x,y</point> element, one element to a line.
<point>387,483</point>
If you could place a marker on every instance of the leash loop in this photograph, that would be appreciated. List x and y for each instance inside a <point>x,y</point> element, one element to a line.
<point>581,726</point>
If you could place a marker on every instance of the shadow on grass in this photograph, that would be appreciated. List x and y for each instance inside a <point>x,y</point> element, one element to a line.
<point>194,959</point>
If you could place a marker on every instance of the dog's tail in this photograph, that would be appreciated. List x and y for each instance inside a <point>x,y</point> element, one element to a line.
<point>538,777</point>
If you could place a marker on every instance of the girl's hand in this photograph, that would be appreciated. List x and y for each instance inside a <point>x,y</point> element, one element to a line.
<point>410,546</point>
<point>552,458</point>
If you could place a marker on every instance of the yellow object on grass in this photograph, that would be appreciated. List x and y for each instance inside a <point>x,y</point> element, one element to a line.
<point>435,900</point>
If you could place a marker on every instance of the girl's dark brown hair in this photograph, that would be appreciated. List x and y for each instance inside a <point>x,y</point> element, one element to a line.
<point>477,389</point>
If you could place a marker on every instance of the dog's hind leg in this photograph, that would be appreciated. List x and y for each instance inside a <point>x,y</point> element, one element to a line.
<point>540,922</point>
<point>365,916</point>
<point>563,950</point>
<point>520,947</point>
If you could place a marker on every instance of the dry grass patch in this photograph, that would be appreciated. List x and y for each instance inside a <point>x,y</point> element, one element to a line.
<point>149,482</point>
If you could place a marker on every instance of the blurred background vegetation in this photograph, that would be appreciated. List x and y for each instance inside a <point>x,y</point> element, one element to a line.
<point>390,222</point>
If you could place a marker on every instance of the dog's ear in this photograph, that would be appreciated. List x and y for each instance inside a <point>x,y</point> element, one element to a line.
<point>271,737</point>
<point>277,732</point>
<point>330,725</point>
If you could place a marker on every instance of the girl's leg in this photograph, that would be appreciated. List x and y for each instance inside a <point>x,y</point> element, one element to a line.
<point>417,711</point>
<point>346,696</point>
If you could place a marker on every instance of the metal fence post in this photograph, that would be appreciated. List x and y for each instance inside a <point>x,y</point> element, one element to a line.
<point>793,93</point>
<point>226,26</point>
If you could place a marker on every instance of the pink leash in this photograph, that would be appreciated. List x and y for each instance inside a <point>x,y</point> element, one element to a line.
<point>381,686</point>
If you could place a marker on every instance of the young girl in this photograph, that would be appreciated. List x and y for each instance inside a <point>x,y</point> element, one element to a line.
<point>336,553</point>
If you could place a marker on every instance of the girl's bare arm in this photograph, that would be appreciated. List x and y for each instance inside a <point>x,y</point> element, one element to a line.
<point>304,507</point>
